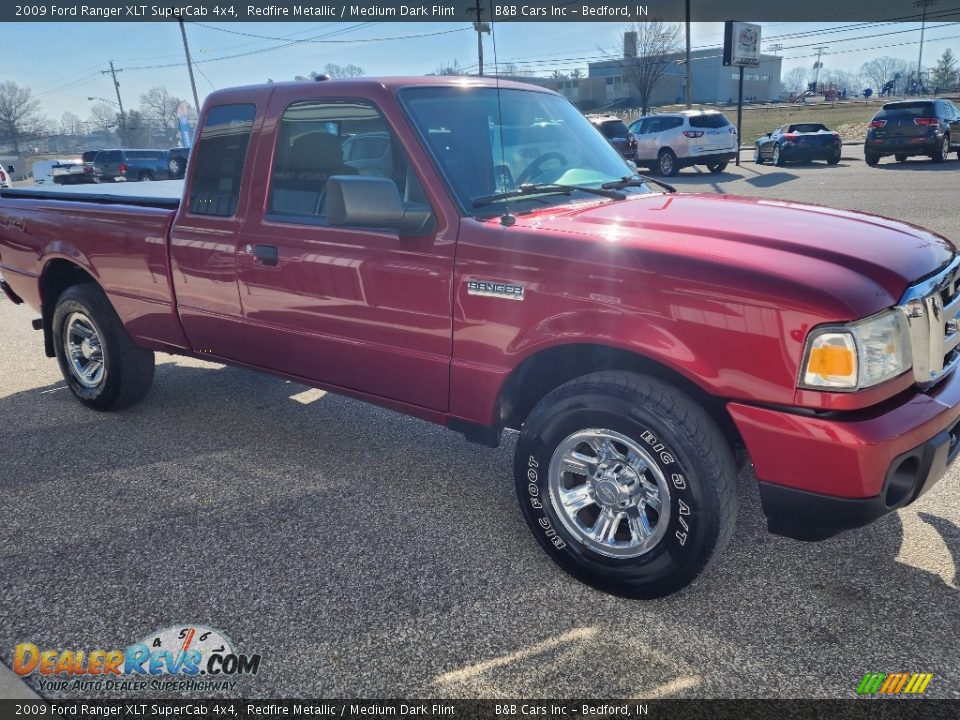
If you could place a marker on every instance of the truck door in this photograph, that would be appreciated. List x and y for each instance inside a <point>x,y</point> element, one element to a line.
<point>203,239</point>
<point>359,308</point>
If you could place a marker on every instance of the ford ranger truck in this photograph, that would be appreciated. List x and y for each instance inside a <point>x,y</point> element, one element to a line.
<point>479,256</point>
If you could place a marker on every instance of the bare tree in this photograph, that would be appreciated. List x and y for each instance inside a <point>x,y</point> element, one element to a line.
<point>576,74</point>
<point>71,124</point>
<point>19,114</point>
<point>881,70</point>
<point>159,109</point>
<point>658,44</point>
<point>103,117</point>
<point>333,70</point>
<point>843,80</point>
<point>450,68</point>
<point>794,81</point>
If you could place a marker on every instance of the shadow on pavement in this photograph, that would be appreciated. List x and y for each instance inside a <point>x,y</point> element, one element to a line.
<point>365,554</point>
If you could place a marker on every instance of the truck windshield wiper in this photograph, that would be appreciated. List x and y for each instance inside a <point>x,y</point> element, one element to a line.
<point>548,189</point>
<point>637,181</point>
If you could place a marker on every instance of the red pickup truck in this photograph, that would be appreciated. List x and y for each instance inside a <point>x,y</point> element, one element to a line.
<point>477,255</point>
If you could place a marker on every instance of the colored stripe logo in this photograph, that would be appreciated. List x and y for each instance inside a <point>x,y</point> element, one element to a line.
<point>894,683</point>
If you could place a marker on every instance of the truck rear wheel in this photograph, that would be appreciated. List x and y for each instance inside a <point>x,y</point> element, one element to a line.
<point>102,366</point>
<point>626,483</point>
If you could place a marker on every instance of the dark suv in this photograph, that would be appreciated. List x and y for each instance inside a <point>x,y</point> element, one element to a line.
<point>616,133</point>
<point>139,165</point>
<point>913,127</point>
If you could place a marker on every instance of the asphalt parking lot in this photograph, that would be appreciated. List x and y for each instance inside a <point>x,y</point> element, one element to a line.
<point>367,554</point>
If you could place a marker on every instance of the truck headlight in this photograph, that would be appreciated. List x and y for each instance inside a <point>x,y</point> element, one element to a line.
<point>857,355</point>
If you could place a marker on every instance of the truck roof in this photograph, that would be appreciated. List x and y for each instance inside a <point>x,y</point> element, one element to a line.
<point>365,85</point>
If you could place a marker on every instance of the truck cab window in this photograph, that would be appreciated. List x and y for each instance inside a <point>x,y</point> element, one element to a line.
<point>221,152</point>
<point>322,138</point>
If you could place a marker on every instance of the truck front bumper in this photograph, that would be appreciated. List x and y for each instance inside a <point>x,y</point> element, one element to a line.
<point>822,474</point>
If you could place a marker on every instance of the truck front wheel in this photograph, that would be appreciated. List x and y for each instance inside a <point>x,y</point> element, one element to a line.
<point>102,366</point>
<point>627,483</point>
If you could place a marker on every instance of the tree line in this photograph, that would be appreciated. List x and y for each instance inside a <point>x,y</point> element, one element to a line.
<point>153,123</point>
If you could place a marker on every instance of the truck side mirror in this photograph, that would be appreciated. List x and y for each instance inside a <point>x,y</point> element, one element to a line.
<point>365,201</point>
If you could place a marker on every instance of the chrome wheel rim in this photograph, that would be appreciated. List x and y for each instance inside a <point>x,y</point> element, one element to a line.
<point>666,164</point>
<point>609,493</point>
<point>84,350</point>
<point>945,149</point>
<point>776,155</point>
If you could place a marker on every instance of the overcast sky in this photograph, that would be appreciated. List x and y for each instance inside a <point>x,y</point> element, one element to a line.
<point>60,62</point>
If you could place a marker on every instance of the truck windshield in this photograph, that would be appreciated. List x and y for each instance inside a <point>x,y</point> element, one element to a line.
<point>487,145</point>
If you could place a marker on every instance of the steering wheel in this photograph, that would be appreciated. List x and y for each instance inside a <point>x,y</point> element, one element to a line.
<point>533,169</point>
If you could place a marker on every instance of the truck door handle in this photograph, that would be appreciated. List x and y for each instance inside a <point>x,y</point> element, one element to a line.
<point>267,254</point>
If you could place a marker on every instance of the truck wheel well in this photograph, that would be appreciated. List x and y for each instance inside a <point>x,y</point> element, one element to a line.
<point>57,276</point>
<point>547,370</point>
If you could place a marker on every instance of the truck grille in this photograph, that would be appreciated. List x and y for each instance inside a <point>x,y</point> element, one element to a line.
<point>931,307</point>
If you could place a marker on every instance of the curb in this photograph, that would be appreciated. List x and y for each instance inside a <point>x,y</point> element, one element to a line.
<point>13,688</point>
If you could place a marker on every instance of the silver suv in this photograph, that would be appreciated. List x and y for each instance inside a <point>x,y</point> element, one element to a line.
<point>667,142</point>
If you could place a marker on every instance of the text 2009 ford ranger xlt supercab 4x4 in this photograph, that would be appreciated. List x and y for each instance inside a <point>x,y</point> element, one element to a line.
<point>480,257</point>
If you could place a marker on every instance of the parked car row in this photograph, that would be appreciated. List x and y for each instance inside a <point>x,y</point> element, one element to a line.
<point>123,165</point>
<point>668,142</point>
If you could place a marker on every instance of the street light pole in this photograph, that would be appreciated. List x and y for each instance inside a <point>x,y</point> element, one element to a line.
<point>186,50</point>
<point>688,94</point>
<point>116,86</point>
<point>923,26</point>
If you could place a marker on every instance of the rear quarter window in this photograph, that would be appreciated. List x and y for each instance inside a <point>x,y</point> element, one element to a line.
<point>711,120</point>
<point>221,154</point>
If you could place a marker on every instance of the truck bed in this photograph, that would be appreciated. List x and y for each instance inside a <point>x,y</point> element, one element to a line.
<point>161,194</point>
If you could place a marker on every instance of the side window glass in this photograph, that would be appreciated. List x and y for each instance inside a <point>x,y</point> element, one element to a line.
<point>318,139</point>
<point>221,152</point>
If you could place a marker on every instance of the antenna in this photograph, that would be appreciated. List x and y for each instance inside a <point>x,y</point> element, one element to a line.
<point>507,220</point>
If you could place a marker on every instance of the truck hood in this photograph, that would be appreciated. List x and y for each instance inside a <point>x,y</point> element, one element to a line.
<point>826,251</point>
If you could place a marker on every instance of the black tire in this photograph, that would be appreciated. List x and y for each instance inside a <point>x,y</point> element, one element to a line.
<point>777,158</point>
<point>127,368</point>
<point>176,168</point>
<point>717,167</point>
<point>667,163</point>
<point>871,159</point>
<point>689,453</point>
<point>757,155</point>
<point>900,157</point>
<point>145,177</point>
<point>943,150</point>
<point>834,159</point>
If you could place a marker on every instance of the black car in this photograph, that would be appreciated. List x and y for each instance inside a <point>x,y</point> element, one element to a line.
<point>177,162</point>
<point>131,165</point>
<point>616,133</point>
<point>913,127</point>
<point>798,141</point>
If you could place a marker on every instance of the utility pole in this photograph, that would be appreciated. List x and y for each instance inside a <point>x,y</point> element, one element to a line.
<point>116,86</point>
<point>817,65</point>
<point>186,50</point>
<point>481,27</point>
<point>776,48</point>
<point>923,26</point>
<point>688,94</point>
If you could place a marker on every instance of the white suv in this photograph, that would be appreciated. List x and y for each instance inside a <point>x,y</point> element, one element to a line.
<point>667,142</point>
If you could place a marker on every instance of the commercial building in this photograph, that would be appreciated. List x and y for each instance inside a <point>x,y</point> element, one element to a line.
<point>607,82</point>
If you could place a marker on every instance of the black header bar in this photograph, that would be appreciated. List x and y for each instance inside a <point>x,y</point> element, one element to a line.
<point>462,11</point>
